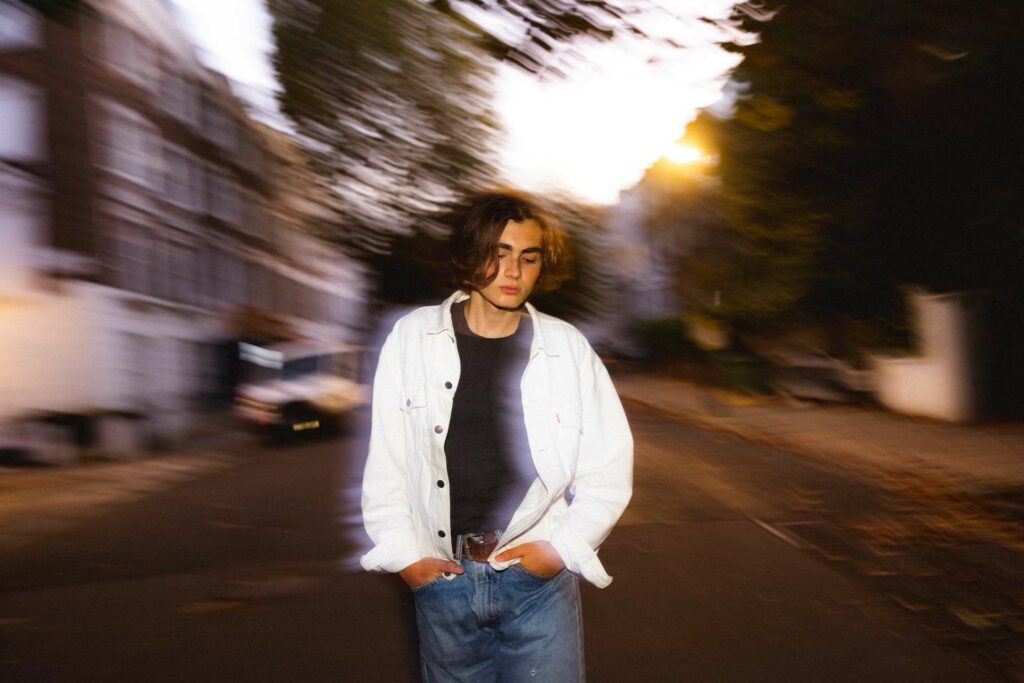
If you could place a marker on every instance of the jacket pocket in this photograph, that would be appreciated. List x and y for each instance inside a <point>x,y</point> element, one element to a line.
<point>568,418</point>
<point>567,438</point>
<point>413,404</point>
<point>413,398</point>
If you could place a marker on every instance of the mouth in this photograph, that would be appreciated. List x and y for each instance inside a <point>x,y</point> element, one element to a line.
<point>510,290</point>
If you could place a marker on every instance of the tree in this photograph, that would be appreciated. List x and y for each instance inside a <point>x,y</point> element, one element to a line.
<point>535,29</point>
<point>874,145</point>
<point>391,97</point>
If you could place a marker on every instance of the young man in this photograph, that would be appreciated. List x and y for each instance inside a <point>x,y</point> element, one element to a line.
<point>500,459</point>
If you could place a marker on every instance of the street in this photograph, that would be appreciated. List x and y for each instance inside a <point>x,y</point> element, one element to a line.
<point>734,562</point>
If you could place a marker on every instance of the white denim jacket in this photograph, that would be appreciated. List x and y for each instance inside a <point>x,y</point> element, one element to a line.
<point>578,435</point>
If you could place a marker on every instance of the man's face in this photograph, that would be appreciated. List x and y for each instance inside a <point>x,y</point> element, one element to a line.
<point>518,263</point>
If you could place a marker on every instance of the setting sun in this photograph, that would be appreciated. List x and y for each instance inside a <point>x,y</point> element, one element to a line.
<point>682,153</point>
<point>594,132</point>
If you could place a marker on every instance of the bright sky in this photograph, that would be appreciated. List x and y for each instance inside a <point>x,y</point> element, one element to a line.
<point>590,135</point>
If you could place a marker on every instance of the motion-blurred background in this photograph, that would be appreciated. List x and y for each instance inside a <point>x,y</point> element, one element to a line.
<point>821,199</point>
<point>799,247</point>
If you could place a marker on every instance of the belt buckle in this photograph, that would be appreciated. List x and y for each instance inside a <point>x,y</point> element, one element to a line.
<point>479,546</point>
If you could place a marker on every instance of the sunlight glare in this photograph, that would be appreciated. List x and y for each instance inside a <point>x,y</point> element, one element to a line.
<point>594,133</point>
<point>682,153</point>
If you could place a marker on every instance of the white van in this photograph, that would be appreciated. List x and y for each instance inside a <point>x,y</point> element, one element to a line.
<point>291,387</point>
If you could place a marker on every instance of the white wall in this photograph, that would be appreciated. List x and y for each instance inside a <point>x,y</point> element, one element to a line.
<point>945,382</point>
<point>86,347</point>
<point>44,355</point>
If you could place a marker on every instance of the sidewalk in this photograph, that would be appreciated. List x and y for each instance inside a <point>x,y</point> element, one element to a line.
<point>969,457</point>
<point>36,501</point>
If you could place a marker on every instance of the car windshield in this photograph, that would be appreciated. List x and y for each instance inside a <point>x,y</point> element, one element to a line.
<point>300,367</point>
<point>341,364</point>
<point>256,374</point>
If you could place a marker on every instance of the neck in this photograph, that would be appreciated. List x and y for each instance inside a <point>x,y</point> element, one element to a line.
<point>487,320</point>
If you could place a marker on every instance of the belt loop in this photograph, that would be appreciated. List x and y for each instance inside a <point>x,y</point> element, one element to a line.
<point>458,549</point>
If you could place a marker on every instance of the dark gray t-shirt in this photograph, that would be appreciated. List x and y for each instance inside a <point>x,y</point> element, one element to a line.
<point>488,457</point>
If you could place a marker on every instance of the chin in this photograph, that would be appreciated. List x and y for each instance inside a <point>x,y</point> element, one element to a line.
<point>507,301</point>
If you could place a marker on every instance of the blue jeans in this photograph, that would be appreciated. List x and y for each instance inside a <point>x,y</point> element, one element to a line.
<point>491,626</point>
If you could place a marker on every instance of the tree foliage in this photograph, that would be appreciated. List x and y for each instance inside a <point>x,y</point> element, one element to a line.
<point>393,95</point>
<point>527,33</point>
<point>875,144</point>
<point>392,98</point>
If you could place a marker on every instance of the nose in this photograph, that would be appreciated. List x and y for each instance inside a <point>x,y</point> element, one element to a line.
<point>512,270</point>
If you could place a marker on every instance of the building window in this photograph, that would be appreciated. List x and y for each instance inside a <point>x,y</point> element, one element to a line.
<point>255,220</point>
<point>160,268</point>
<point>261,286</point>
<point>224,201</point>
<point>184,270</point>
<point>133,147</point>
<point>130,55</point>
<point>24,207</point>
<point>22,108</point>
<point>218,124</point>
<point>206,275</point>
<point>179,96</point>
<point>131,257</point>
<point>230,277</point>
<point>183,180</point>
<point>20,27</point>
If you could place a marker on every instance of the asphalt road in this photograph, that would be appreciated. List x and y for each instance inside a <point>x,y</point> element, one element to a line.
<point>734,562</point>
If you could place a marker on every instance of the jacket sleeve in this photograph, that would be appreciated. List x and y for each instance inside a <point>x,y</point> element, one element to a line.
<point>387,513</point>
<point>603,482</point>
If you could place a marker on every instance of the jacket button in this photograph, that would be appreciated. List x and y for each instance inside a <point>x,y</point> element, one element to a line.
<point>438,429</point>
<point>441,533</point>
<point>408,402</point>
<point>440,483</point>
<point>447,385</point>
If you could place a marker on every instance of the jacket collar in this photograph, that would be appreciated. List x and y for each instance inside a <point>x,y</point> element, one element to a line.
<point>442,322</point>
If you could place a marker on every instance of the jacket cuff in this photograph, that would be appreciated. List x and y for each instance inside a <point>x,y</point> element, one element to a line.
<point>578,556</point>
<point>386,557</point>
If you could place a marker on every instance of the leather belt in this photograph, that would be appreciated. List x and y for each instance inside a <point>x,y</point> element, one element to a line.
<point>477,546</point>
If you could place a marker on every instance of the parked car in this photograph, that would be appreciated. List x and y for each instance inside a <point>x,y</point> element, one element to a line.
<point>292,387</point>
<point>817,376</point>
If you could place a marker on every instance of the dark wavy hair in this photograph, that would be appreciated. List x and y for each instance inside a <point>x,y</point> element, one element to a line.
<point>474,243</point>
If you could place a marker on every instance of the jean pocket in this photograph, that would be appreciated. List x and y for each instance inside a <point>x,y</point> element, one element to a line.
<point>428,584</point>
<point>534,575</point>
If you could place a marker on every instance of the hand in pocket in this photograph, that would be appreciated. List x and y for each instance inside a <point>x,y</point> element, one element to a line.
<point>422,572</point>
<point>537,557</point>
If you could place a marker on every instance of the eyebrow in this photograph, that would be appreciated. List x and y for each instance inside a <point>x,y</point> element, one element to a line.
<point>527,250</point>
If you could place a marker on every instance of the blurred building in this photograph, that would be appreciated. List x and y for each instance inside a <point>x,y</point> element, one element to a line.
<point>146,221</point>
<point>648,260</point>
<point>649,233</point>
